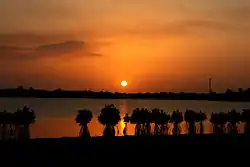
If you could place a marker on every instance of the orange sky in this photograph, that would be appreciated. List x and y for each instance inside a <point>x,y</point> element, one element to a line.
<point>172,45</point>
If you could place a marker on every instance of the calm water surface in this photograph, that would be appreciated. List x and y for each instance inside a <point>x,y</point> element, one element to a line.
<point>55,117</point>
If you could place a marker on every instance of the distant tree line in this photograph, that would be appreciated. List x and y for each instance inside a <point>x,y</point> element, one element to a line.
<point>229,95</point>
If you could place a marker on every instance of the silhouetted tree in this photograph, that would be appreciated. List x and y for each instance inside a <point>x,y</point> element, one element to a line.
<point>25,117</point>
<point>163,120</point>
<point>201,117</point>
<point>142,119</point>
<point>229,91</point>
<point>160,120</point>
<point>15,125</point>
<point>218,120</point>
<point>223,120</point>
<point>245,117</point>
<point>11,121</point>
<point>214,119</point>
<point>109,117</point>
<point>233,118</point>
<point>191,117</point>
<point>126,120</point>
<point>145,117</point>
<point>83,118</point>
<point>156,120</point>
<point>148,118</point>
<point>176,119</point>
<point>136,119</point>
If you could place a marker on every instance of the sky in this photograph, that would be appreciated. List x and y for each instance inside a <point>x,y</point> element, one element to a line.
<point>155,45</point>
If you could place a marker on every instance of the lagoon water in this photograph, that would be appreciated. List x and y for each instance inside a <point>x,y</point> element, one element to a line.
<point>56,117</point>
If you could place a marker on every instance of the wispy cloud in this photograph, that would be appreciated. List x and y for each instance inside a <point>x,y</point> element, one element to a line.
<point>48,50</point>
<point>239,14</point>
<point>31,39</point>
<point>180,28</point>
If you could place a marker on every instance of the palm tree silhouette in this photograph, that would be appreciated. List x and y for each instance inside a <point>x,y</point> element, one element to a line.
<point>191,117</point>
<point>201,117</point>
<point>245,117</point>
<point>126,120</point>
<point>109,117</point>
<point>233,118</point>
<point>25,117</point>
<point>176,119</point>
<point>83,118</point>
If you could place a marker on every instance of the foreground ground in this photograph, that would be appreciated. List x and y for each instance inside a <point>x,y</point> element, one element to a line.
<point>130,150</point>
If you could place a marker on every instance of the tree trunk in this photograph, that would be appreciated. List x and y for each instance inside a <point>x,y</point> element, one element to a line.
<point>235,129</point>
<point>148,129</point>
<point>4,132</point>
<point>201,128</point>
<point>26,131</point>
<point>162,129</point>
<point>247,128</point>
<point>175,129</point>
<point>156,129</point>
<point>109,131</point>
<point>191,128</point>
<point>137,129</point>
<point>125,129</point>
<point>222,127</point>
<point>84,133</point>
<point>166,129</point>
<point>216,129</point>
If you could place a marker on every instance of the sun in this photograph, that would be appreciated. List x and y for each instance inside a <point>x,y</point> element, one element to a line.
<point>124,83</point>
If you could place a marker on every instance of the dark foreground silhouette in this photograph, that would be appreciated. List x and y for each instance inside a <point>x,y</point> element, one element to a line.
<point>229,95</point>
<point>128,150</point>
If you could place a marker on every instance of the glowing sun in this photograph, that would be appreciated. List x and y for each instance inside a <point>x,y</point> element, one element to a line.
<point>124,83</point>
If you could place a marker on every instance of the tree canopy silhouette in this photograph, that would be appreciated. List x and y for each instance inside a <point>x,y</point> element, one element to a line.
<point>83,118</point>
<point>176,119</point>
<point>245,117</point>
<point>191,117</point>
<point>109,117</point>
<point>233,118</point>
<point>25,117</point>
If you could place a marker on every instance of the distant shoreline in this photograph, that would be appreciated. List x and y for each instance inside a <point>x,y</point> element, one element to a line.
<point>229,96</point>
<point>122,98</point>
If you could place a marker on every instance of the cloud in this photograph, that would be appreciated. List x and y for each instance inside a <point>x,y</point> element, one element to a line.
<point>61,48</point>
<point>239,14</point>
<point>66,49</point>
<point>182,28</point>
<point>31,39</point>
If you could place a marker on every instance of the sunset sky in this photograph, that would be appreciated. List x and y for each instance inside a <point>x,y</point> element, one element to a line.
<point>156,45</point>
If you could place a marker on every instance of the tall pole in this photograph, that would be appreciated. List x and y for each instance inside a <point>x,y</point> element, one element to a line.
<point>210,85</point>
